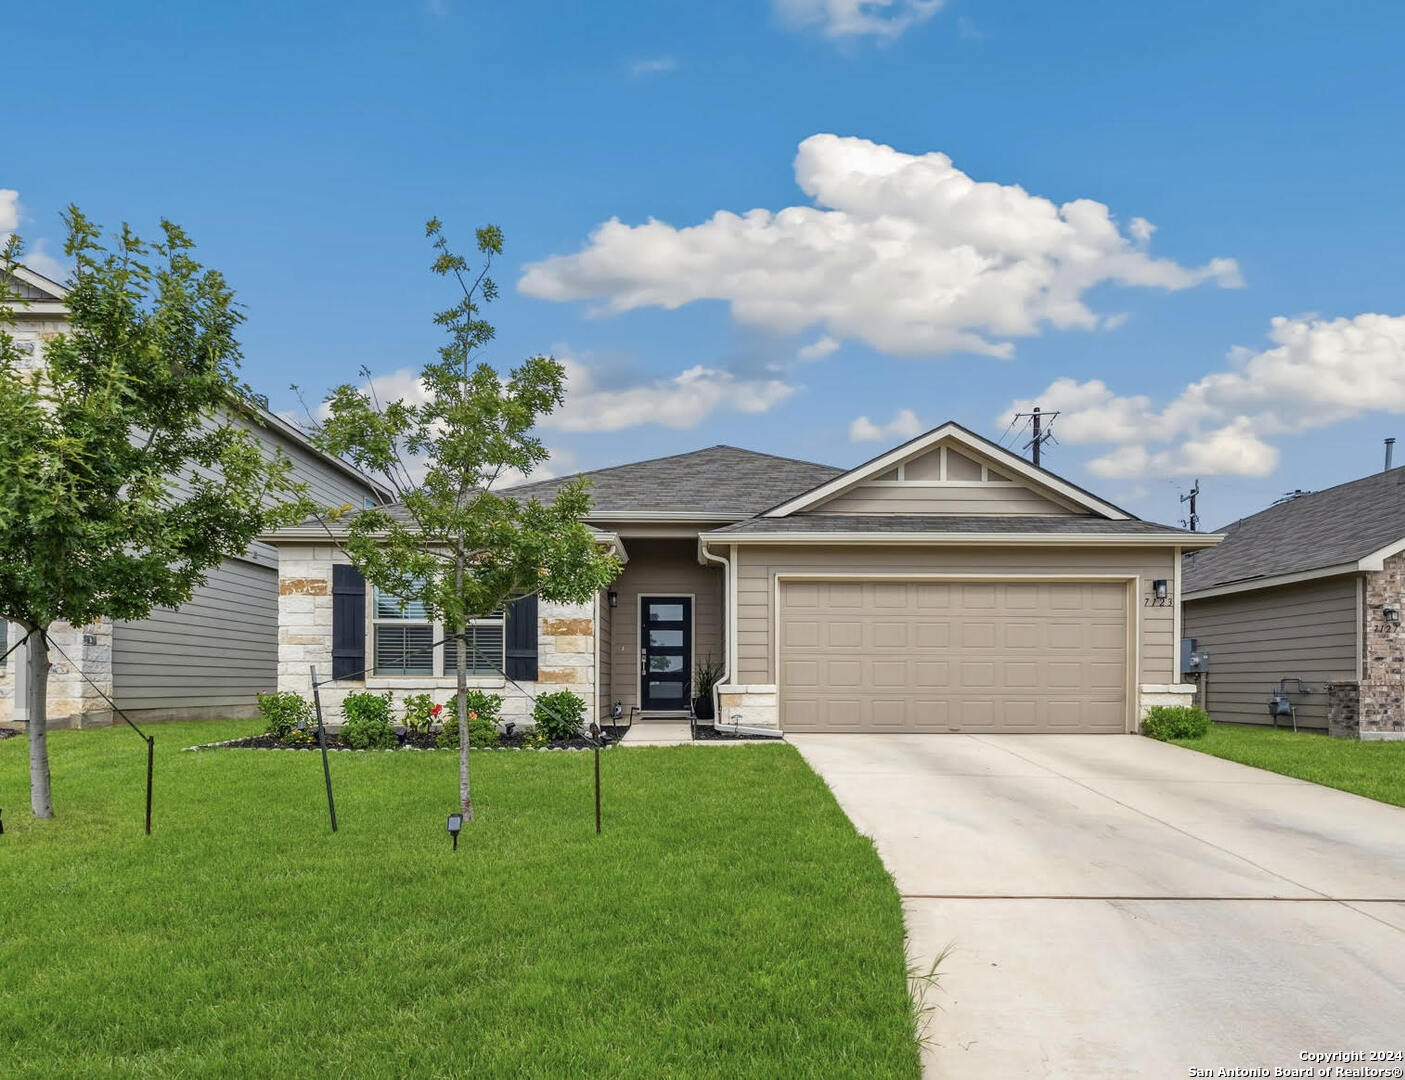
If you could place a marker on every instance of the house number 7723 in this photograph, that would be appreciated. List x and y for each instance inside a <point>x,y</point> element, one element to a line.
<point>1157,601</point>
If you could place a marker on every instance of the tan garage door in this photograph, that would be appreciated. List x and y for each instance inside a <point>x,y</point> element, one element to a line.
<point>1000,656</point>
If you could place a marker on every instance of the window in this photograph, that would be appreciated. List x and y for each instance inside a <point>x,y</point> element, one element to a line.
<point>404,637</point>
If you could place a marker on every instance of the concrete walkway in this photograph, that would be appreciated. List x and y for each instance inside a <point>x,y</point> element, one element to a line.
<point>1119,907</point>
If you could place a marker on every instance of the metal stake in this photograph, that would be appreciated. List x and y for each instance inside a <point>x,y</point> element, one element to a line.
<point>150,759</point>
<point>595,740</point>
<point>322,739</point>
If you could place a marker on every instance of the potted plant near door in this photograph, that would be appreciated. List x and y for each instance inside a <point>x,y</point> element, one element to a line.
<point>706,675</point>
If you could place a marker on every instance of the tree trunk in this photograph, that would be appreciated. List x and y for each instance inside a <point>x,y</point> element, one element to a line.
<point>36,670</point>
<point>461,701</point>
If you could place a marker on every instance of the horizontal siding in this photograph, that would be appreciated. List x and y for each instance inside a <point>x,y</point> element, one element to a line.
<point>758,566</point>
<point>919,499</point>
<point>220,649</point>
<point>1254,639</point>
<point>661,568</point>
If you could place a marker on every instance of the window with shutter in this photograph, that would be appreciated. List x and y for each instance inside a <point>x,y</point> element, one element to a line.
<point>521,638</point>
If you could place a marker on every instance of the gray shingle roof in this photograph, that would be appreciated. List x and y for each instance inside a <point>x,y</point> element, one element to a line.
<point>721,480</point>
<point>1327,528</point>
<point>1070,525</point>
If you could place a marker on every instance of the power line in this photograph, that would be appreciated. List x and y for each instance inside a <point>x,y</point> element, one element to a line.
<point>1040,434</point>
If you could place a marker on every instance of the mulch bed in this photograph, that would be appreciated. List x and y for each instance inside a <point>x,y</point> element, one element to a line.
<point>7,733</point>
<point>412,741</point>
<point>708,733</point>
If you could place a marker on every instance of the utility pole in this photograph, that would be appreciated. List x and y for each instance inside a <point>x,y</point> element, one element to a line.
<point>1194,521</point>
<point>1040,433</point>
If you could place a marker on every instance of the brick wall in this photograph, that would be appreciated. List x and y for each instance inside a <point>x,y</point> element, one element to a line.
<point>1382,693</point>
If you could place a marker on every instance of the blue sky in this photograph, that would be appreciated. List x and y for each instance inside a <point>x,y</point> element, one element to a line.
<point>303,145</point>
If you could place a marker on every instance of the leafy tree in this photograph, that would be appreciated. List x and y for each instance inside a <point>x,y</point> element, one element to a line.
<point>452,542</point>
<point>123,477</point>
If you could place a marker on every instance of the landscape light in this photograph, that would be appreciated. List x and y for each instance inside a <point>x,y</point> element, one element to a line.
<point>454,825</point>
<point>1159,587</point>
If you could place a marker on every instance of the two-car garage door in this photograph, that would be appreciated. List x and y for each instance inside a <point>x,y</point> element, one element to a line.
<point>977,656</point>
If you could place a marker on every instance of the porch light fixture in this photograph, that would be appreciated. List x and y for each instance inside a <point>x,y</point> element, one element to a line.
<point>1390,614</point>
<point>1159,588</point>
<point>614,598</point>
<point>454,825</point>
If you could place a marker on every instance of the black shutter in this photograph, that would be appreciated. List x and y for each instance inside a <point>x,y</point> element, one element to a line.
<point>521,660</point>
<point>348,623</point>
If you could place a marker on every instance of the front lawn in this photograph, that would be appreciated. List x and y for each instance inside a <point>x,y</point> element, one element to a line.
<point>1373,769</point>
<point>730,922</point>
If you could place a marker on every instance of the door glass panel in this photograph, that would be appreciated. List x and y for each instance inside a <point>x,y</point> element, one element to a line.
<point>665,639</point>
<point>665,690</point>
<point>665,612</point>
<point>660,665</point>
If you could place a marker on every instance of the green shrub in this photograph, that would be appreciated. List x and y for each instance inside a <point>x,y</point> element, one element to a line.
<point>419,713</point>
<point>559,715</point>
<point>1176,722</point>
<point>366,721</point>
<point>483,710</point>
<point>283,711</point>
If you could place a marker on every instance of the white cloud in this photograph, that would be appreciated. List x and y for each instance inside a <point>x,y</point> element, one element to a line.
<point>902,251</point>
<point>818,349</point>
<point>856,18</point>
<point>680,401</point>
<point>9,211</point>
<point>1316,372</point>
<point>903,425</point>
<point>656,65</point>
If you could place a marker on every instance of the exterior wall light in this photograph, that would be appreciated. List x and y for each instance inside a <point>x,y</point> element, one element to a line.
<point>1159,588</point>
<point>614,598</point>
<point>454,825</point>
<point>1390,614</point>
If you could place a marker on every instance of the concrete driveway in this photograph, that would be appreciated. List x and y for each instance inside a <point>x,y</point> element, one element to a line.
<point>1123,908</point>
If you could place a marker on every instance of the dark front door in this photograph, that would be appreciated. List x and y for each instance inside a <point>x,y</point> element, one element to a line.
<point>666,652</point>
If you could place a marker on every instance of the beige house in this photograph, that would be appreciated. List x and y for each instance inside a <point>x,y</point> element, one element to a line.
<point>946,585</point>
<point>1305,599</point>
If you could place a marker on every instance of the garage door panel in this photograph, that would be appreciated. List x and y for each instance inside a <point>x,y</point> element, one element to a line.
<point>998,656</point>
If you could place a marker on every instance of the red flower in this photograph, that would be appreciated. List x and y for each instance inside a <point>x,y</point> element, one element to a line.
<point>434,712</point>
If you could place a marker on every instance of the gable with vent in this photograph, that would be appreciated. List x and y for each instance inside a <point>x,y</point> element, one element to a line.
<point>949,471</point>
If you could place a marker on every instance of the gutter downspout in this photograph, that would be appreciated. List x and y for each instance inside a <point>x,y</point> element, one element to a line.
<point>703,553</point>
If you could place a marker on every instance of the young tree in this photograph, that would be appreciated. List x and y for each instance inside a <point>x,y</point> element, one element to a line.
<point>123,478</point>
<point>453,542</point>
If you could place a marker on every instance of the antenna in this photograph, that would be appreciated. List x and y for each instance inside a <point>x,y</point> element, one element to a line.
<point>1041,435</point>
<point>1193,522</point>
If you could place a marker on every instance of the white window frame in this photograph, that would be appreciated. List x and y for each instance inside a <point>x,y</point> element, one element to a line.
<point>441,659</point>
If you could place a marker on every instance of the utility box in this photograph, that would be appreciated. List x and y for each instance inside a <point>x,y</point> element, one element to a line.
<point>1193,661</point>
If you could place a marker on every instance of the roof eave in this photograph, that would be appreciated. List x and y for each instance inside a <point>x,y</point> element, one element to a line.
<point>1184,541</point>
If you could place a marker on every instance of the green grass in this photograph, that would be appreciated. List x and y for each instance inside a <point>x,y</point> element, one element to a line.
<point>730,922</point>
<point>1373,769</point>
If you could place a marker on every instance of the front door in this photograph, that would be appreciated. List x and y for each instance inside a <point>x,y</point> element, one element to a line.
<point>666,651</point>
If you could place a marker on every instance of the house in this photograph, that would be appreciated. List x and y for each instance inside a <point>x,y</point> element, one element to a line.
<point>211,657</point>
<point>1310,589</point>
<point>945,585</point>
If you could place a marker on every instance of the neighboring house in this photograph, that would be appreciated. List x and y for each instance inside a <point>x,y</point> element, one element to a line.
<point>211,657</point>
<point>946,585</point>
<point>1309,589</point>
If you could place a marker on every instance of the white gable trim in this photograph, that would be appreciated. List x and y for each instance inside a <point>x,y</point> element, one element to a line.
<point>1005,461</point>
<point>38,281</point>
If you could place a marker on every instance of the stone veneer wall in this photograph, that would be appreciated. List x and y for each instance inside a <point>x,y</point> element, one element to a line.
<point>754,705</point>
<point>73,701</point>
<point>1344,709</point>
<point>1382,691</point>
<point>565,645</point>
<point>1152,694</point>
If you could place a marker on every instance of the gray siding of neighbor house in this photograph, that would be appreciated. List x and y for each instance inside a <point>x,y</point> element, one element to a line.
<point>214,655</point>
<point>211,657</point>
<point>1306,630</point>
